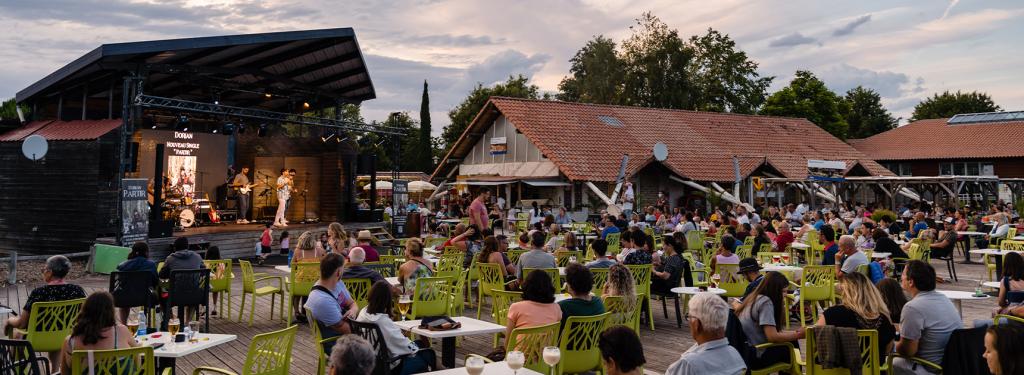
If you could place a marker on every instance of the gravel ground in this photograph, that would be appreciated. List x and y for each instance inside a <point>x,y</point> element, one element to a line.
<point>31,271</point>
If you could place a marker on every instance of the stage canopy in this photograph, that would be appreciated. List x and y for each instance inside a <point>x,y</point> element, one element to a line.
<point>280,71</point>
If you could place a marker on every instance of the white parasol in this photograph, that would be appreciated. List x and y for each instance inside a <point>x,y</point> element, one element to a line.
<point>381,185</point>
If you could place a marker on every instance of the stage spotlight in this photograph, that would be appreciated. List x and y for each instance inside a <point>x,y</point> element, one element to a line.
<point>342,139</point>
<point>262,131</point>
<point>324,139</point>
<point>229,128</point>
<point>267,95</point>
<point>241,127</point>
<point>305,105</point>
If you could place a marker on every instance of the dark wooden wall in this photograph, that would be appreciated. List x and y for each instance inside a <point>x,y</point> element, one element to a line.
<point>49,207</point>
<point>1003,167</point>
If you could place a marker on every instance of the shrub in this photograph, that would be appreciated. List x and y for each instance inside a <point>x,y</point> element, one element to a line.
<point>880,213</point>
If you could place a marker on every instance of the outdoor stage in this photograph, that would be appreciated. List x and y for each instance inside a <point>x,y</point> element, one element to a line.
<point>237,240</point>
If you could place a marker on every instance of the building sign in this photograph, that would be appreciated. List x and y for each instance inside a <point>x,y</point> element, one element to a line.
<point>499,146</point>
<point>400,196</point>
<point>134,211</point>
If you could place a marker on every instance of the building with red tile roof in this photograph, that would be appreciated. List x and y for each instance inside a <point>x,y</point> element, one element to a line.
<point>531,141</point>
<point>985,144</point>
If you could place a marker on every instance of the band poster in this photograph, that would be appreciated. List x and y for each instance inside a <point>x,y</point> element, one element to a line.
<point>134,211</point>
<point>182,174</point>
<point>400,194</point>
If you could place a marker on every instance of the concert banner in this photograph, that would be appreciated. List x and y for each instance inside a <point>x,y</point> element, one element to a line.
<point>134,211</point>
<point>400,194</point>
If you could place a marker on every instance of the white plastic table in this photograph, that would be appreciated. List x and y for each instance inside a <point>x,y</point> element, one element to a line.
<point>880,255</point>
<point>957,296</point>
<point>686,292</point>
<point>283,268</point>
<point>800,245</point>
<point>494,368</point>
<point>393,280</point>
<point>967,244</point>
<point>998,254</point>
<point>169,352</point>
<point>797,271</point>
<point>469,327</point>
<point>991,284</point>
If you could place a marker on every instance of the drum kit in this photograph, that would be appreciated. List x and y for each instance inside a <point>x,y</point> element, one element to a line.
<point>187,211</point>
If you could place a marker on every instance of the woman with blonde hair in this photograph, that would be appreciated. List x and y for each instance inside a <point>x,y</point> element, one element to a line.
<point>306,248</point>
<point>863,308</point>
<point>620,283</point>
<point>338,239</point>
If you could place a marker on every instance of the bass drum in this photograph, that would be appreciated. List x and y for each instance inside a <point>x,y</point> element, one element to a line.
<point>186,218</point>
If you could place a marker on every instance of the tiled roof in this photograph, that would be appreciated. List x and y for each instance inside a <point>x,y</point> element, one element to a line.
<point>934,139</point>
<point>701,144</point>
<point>63,130</point>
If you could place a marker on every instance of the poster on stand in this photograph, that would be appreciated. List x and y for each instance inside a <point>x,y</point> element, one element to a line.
<point>400,194</point>
<point>134,211</point>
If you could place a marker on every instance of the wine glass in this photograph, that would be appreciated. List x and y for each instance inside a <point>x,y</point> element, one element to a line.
<point>474,365</point>
<point>515,360</point>
<point>551,356</point>
<point>404,304</point>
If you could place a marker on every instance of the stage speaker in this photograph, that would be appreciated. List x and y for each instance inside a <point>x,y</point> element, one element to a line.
<point>133,157</point>
<point>367,164</point>
<point>161,229</point>
<point>156,214</point>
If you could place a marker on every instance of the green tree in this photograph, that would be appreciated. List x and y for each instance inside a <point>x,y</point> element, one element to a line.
<point>724,78</point>
<point>596,74</point>
<point>382,146</point>
<point>809,98</point>
<point>9,113</point>
<point>866,116</point>
<point>948,104</point>
<point>463,114</point>
<point>424,148</point>
<point>655,61</point>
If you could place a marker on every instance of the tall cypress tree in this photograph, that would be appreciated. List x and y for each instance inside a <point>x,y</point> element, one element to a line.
<point>425,151</point>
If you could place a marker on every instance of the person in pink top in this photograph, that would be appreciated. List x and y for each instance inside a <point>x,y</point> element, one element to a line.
<point>538,306</point>
<point>478,209</point>
<point>725,254</point>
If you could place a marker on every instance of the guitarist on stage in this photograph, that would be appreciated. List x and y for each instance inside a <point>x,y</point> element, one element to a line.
<point>242,187</point>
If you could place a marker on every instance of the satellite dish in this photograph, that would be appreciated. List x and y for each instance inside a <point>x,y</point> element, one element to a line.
<point>660,151</point>
<point>34,147</point>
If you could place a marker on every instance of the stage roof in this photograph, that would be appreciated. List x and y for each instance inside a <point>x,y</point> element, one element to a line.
<point>315,66</point>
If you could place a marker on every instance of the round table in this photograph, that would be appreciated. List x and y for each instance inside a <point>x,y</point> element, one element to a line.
<point>692,290</point>
<point>880,255</point>
<point>800,245</point>
<point>991,284</point>
<point>967,244</point>
<point>797,271</point>
<point>958,295</point>
<point>997,255</point>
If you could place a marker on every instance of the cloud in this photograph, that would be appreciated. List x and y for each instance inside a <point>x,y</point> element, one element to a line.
<point>449,40</point>
<point>496,68</point>
<point>952,4</point>
<point>791,40</point>
<point>843,77</point>
<point>852,25</point>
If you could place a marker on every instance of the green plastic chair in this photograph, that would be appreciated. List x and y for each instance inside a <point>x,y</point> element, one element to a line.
<point>359,289</point>
<point>749,241</point>
<point>503,299</point>
<point>562,257</point>
<point>614,243</point>
<point>249,288</point>
<point>694,240</point>
<point>269,354</point>
<point>642,277</point>
<point>578,344</point>
<point>818,287</point>
<point>622,312</point>
<point>300,283</point>
<point>221,283</point>
<point>319,340</point>
<point>743,251</point>
<point>430,298</point>
<point>791,367</point>
<point>868,353</point>
<point>531,341</point>
<point>457,303</point>
<point>384,269</point>
<point>134,361</point>
<point>600,278</point>
<point>50,322</point>
<point>490,279</point>
<point>449,265</point>
<point>731,280</point>
<point>700,275</point>
<point>556,277</point>
<point>513,255</point>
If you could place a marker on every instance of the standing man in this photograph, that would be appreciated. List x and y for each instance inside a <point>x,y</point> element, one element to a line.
<point>284,192</point>
<point>478,209</point>
<point>242,189</point>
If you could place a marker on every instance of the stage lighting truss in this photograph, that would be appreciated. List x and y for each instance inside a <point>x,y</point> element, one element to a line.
<point>149,101</point>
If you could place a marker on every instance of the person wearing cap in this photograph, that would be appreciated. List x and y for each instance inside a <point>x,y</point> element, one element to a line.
<point>947,239</point>
<point>365,238</point>
<point>752,272</point>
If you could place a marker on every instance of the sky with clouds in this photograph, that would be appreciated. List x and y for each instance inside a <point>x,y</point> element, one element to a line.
<point>906,50</point>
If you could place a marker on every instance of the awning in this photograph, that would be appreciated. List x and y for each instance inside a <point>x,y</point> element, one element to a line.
<point>77,130</point>
<point>487,183</point>
<point>545,183</point>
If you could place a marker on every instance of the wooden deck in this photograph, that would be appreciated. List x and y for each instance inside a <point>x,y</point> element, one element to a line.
<point>661,347</point>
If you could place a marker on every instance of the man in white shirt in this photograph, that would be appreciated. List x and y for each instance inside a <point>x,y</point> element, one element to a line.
<point>848,258</point>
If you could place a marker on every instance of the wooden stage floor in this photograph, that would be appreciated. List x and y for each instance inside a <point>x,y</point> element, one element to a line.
<point>661,347</point>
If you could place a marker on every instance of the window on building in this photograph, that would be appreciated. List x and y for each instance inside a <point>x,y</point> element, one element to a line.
<point>900,169</point>
<point>972,168</point>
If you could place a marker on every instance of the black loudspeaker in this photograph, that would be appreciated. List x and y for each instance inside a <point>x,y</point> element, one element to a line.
<point>367,164</point>
<point>133,157</point>
<point>156,214</point>
<point>161,229</point>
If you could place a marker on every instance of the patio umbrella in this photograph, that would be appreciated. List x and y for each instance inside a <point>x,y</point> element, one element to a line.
<point>381,185</point>
<point>417,186</point>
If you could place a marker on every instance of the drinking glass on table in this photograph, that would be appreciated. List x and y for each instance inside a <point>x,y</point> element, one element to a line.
<point>404,305</point>
<point>474,365</point>
<point>515,360</point>
<point>193,327</point>
<point>551,356</point>
<point>133,324</point>
<point>173,326</point>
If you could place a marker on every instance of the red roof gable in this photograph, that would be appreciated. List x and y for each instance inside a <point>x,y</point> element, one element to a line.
<point>701,145</point>
<point>935,139</point>
<point>76,130</point>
